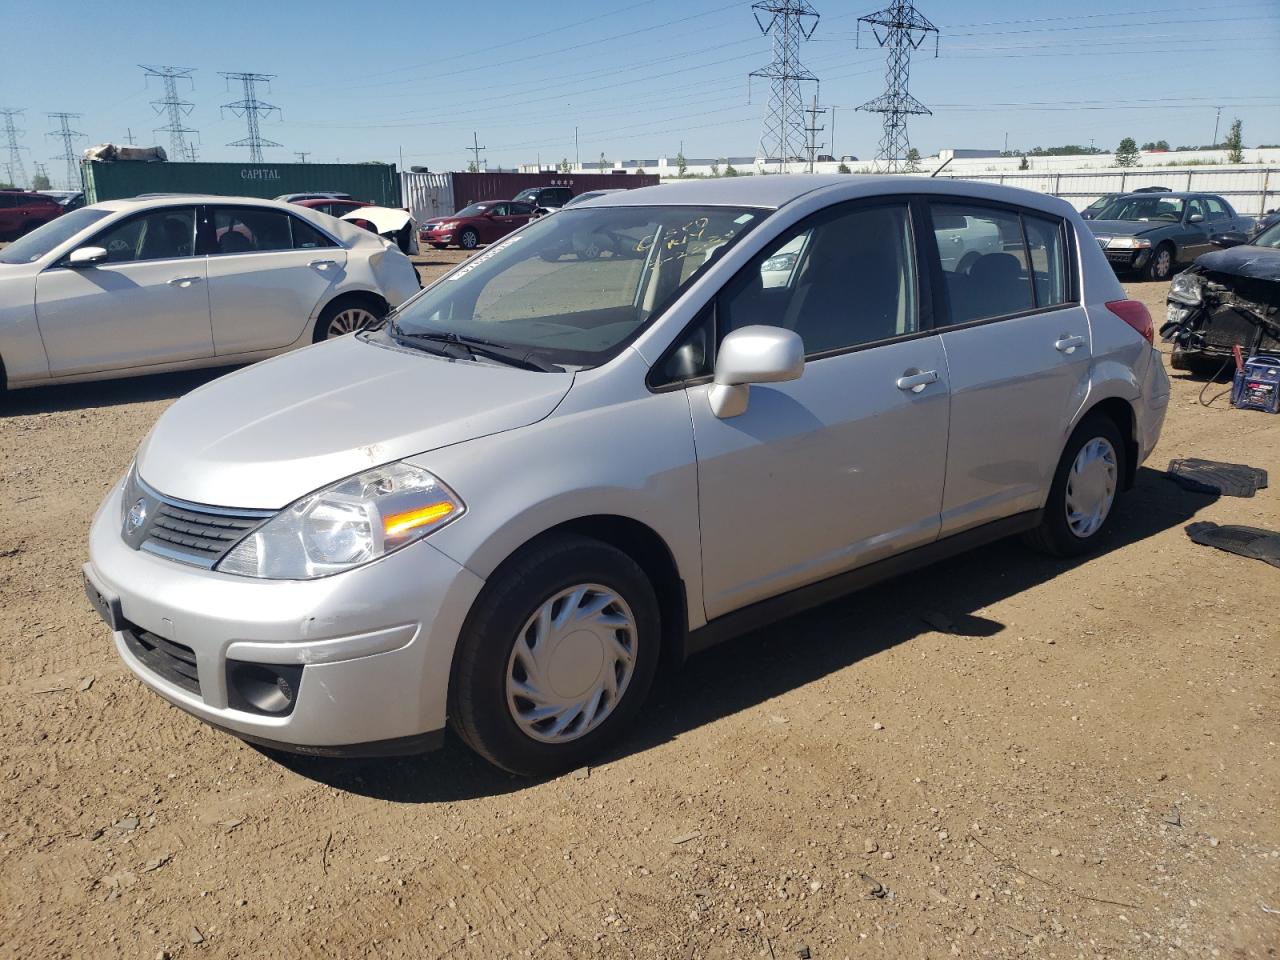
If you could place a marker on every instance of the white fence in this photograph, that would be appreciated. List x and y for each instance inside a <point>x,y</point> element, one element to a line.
<point>1251,190</point>
<point>427,195</point>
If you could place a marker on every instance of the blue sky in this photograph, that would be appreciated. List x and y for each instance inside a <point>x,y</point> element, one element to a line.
<point>365,81</point>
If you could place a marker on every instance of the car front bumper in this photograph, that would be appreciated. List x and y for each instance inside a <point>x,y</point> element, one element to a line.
<point>373,645</point>
<point>441,236</point>
<point>1128,259</point>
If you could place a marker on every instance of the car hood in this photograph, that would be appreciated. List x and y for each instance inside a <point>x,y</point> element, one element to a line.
<point>1259,263</point>
<point>270,433</point>
<point>1126,228</point>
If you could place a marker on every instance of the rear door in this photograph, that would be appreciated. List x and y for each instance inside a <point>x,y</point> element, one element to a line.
<point>1018,352</point>
<point>269,271</point>
<point>147,304</point>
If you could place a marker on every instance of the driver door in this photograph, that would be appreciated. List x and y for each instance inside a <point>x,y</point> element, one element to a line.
<point>147,304</point>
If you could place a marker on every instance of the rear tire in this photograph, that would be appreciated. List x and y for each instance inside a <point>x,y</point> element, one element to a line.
<point>1082,497</point>
<point>572,621</point>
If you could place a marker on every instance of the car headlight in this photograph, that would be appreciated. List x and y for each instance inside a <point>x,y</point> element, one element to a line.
<point>1129,243</point>
<point>1186,288</point>
<point>346,524</point>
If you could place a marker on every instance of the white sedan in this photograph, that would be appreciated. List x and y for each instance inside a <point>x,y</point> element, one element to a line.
<point>176,282</point>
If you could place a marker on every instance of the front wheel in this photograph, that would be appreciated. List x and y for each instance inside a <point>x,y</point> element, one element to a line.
<point>1162,262</point>
<point>469,239</point>
<point>556,658</point>
<point>1078,511</point>
<point>346,316</point>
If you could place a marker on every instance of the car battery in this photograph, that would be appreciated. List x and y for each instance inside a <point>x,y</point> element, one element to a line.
<point>1257,385</point>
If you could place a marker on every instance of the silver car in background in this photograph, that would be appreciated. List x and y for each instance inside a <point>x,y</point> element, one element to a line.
<point>178,282</point>
<point>546,473</point>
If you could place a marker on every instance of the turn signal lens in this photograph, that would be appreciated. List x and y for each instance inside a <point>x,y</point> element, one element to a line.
<point>399,524</point>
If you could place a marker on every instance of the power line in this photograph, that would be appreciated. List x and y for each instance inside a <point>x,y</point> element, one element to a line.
<point>173,106</point>
<point>251,108</point>
<point>905,28</point>
<point>68,136</point>
<point>790,22</point>
<point>17,172</point>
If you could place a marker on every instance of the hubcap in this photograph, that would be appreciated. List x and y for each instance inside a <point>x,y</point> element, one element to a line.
<point>1091,487</point>
<point>349,321</point>
<point>571,663</point>
<point>1162,263</point>
<point>468,241</point>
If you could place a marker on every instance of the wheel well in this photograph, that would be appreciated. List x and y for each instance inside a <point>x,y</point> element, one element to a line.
<point>652,554</point>
<point>1120,412</point>
<point>366,297</point>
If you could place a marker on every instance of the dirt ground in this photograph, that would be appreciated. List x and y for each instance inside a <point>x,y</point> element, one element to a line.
<point>1004,756</point>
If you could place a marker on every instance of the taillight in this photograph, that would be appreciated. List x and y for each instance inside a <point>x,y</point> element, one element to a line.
<point>1136,315</point>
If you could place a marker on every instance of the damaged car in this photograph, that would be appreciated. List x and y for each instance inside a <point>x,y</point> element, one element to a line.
<point>390,223</point>
<point>1227,298</point>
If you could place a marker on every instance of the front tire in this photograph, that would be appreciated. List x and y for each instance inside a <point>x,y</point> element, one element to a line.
<point>345,316</point>
<point>1083,494</point>
<point>556,657</point>
<point>469,239</point>
<point>1162,263</point>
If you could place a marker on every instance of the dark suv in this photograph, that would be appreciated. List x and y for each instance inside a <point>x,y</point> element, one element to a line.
<point>22,212</point>
<point>545,199</point>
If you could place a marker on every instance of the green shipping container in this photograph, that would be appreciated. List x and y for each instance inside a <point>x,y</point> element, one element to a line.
<point>376,183</point>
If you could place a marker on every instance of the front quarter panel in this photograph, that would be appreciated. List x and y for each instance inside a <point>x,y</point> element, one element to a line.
<point>604,451</point>
<point>21,347</point>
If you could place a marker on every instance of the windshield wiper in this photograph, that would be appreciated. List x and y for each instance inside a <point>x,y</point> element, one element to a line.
<point>478,347</point>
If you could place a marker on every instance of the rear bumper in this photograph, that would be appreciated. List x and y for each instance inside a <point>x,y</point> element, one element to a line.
<point>1152,407</point>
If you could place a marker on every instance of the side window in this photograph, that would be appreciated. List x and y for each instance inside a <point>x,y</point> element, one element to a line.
<point>521,209</point>
<point>983,261</point>
<point>245,230</point>
<point>838,280</point>
<point>1197,207</point>
<point>1047,247</point>
<point>1217,209</point>
<point>160,235</point>
<point>307,237</point>
<point>499,209</point>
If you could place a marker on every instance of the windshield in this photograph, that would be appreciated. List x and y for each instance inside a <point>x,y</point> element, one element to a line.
<point>475,210</point>
<point>40,241</point>
<point>528,194</point>
<point>576,287</point>
<point>1152,207</point>
<point>1099,203</point>
<point>1269,237</point>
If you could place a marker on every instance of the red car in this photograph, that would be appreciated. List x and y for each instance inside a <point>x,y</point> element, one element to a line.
<point>476,224</point>
<point>22,212</point>
<point>332,206</point>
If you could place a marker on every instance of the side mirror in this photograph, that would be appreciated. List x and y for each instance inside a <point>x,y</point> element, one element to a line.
<point>87,256</point>
<point>1225,240</point>
<point>1196,218</point>
<point>757,354</point>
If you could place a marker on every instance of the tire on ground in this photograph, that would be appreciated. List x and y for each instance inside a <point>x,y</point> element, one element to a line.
<point>1054,535</point>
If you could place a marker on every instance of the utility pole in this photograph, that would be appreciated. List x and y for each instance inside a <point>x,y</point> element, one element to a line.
<point>475,149</point>
<point>905,29</point>
<point>128,136</point>
<point>302,155</point>
<point>68,137</point>
<point>790,22</point>
<point>577,160</point>
<point>17,172</point>
<point>812,129</point>
<point>1216,119</point>
<point>251,108</point>
<point>173,106</point>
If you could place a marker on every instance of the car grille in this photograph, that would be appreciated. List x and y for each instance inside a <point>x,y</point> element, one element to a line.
<point>194,536</point>
<point>186,532</point>
<point>168,660</point>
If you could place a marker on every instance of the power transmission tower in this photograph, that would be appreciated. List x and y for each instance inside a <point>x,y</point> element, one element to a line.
<point>41,174</point>
<point>192,155</point>
<point>251,108</point>
<point>905,28</point>
<point>67,136</point>
<point>11,132</point>
<point>812,129</point>
<point>790,22</point>
<point>475,149</point>
<point>173,106</point>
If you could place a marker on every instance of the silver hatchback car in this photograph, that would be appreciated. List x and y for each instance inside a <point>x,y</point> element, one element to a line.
<point>552,469</point>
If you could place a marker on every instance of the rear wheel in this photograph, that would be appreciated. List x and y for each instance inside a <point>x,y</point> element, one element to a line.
<point>556,658</point>
<point>1162,262</point>
<point>469,239</point>
<point>1084,490</point>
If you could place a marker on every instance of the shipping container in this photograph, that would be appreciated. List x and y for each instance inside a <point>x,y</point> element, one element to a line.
<point>376,183</point>
<point>430,195</point>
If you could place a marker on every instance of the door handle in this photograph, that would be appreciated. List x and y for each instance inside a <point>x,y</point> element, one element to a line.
<point>322,264</point>
<point>1068,344</point>
<point>916,382</point>
<point>184,281</point>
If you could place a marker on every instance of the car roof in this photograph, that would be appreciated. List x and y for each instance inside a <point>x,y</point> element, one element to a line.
<point>171,199</point>
<point>775,191</point>
<point>1173,195</point>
